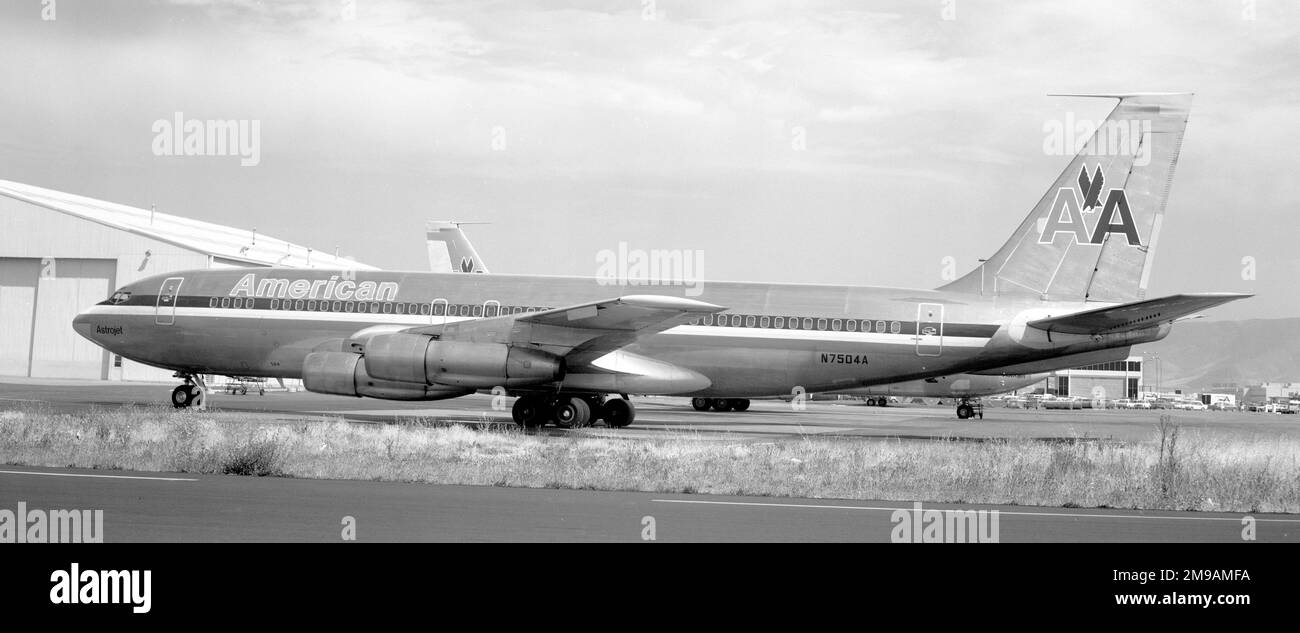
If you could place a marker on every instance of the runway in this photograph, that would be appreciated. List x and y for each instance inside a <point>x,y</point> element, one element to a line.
<point>165,507</point>
<point>768,419</point>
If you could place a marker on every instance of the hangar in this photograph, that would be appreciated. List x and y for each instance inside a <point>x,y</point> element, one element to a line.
<point>60,253</point>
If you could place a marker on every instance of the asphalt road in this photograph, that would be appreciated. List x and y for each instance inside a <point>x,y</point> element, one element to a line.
<point>657,416</point>
<point>161,507</point>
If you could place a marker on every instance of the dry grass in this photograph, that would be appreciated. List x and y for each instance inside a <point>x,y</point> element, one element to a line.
<point>1175,469</point>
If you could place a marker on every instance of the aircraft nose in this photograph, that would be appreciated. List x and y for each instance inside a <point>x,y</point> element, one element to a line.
<point>83,326</point>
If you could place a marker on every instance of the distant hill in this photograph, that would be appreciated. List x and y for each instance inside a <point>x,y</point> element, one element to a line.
<point>1198,354</point>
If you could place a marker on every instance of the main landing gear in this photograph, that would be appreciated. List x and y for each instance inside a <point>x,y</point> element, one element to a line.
<point>193,394</point>
<point>572,412</point>
<point>720,404</point>
<point>967,409</point>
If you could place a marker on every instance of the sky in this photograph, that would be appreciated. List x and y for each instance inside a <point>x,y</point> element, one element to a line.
<point>859,142</point>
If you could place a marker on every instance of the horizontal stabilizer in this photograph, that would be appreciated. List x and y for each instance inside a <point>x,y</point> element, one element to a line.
<point>1136,315</point>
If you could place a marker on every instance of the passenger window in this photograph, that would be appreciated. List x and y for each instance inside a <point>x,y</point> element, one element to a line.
<point>735,320</point>
<point>749,321</point>
<point>424,309</point>
<point>212,303</point>
<point>311,305</point>
<point>338,306</point>
<point>297,304</point>
<point>478,311</point>
<point>275,304</point>
<point>351,306</point>
<point>388,308</point>
<point>225,302</point>
<point>880,326</point>
<point>895,327</point>
<point>439,309</point>
<point>807,323</point>
<point>821,324</point>
<point>851,325</point>
<point>835,325</point>
<point>765,322</point>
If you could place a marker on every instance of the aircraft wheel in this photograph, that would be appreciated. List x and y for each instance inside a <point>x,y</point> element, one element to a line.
<point>740,404</point>
<point>701,404</point>
<point>572,413</point>
<point>619,413</point>
<point>529,412</point>
<point>196,396</point>
<point>964,411</point>
<point>721,405</point>
<point>181,397</point>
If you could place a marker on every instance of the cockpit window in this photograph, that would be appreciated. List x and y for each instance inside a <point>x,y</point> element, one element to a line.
<point>119,297</point>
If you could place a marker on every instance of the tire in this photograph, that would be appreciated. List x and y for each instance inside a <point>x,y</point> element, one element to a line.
<point>571,413</point>
<point>181,397</point>
<point>619,413</point>
<point>196,396</point>
<point>964,412</point>
<point>721,405</point>
<point>701,404</point>
<point>529,412</point>
<point>740,404</point>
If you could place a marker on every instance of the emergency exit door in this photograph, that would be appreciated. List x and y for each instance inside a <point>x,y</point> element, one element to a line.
<point>929,329</point>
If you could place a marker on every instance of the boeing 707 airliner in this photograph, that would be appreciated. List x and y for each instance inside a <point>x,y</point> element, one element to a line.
<point>1067,289</point>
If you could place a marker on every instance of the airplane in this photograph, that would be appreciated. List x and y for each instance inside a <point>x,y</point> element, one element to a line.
<point>1067,289</point>
<point>450,249</point>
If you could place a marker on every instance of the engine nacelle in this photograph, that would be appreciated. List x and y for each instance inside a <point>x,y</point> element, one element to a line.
<point>345,374</point>
<point>422,359</point>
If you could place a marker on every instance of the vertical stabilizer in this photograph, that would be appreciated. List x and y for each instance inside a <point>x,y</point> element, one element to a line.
<point>1093,235</point>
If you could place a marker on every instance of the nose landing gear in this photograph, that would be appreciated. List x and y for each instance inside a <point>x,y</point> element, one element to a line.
<point>191,395</point>
<point>967,409</point>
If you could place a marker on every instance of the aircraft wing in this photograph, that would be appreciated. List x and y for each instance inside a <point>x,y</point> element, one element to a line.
<point>1136,315</point>
<point>583,332</point>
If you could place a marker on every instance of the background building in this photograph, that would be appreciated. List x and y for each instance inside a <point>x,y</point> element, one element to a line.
<point>60,253</point>
<point>1112,381</point>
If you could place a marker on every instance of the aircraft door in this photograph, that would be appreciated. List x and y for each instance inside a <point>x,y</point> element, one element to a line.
<point>929,329</point>
<point>438,315</point>
<point>165,313</point>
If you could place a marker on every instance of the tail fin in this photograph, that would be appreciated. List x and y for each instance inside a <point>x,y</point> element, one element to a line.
<point>450,250</point>
<point>1093,235</point>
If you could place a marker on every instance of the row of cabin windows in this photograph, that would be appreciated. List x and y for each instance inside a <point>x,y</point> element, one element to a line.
<point>1118,365</point>
<point>491,310</point>
<point>373,307</point>
<point>799,323</point>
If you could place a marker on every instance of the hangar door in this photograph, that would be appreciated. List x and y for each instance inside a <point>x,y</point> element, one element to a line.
<point>47,293</point>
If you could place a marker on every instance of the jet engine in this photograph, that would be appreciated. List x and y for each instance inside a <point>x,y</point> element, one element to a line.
<point>415,358</point>
<point>345,374</point>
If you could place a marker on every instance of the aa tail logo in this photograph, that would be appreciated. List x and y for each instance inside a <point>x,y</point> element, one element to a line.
<point>1070,210</point>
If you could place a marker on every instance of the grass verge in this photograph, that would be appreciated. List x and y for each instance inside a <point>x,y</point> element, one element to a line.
<point>1175,469</point>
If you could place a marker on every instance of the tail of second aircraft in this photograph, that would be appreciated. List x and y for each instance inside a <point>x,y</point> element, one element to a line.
<point>1092,236</point>
<point>450,250</point>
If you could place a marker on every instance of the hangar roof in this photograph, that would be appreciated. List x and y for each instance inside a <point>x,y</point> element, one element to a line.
<point>221,241</point>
